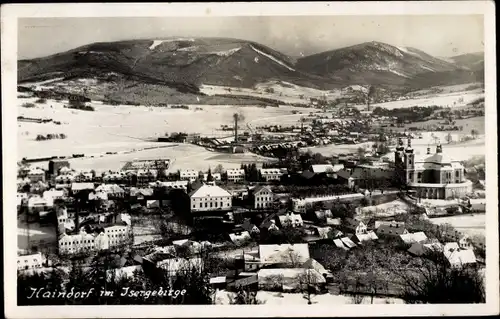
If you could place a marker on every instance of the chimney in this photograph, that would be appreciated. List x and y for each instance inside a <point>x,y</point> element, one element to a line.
<point>428,150</point>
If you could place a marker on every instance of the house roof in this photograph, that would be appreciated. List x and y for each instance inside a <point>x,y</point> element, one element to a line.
<point>348,242</point>
<point>81,186</point>
<point>314,264</point>
<point>209,191</point>
<point>394,223</point>
<point>411,238</point>
<point>284,253</point>
<point>237,238</point>
<point>260,188</point>
<point>174,265</point>
<point>340,244</point>
<point>457,256</point>
<point>388,229</point>
<point>290,218</point>
<point>352,222</point>
<point>366,237</point>
<point>322,168</point>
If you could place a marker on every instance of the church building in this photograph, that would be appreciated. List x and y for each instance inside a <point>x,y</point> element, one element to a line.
<point>433,176</point>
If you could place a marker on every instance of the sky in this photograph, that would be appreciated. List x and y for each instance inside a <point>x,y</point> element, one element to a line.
<point>442,36</point>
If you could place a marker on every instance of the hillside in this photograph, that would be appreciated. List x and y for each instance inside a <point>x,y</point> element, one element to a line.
<point>383,64</point>
<point>160,71</point>
<point>180,63</point>
<point>470,61</point>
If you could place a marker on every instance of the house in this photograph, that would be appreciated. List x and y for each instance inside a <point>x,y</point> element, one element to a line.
<point>291,220</point>
<point>338,242</point>
<point>368,236</point>
<point>53,194</point>
<point>84,176</point>
<point>77,243</point>
<point>235,175</point>
<point>272,174</point>
<point>284,254</point>
<point>189,175</point>
<point>289,279</point>
<point>146,175</point>
<point>64,180</point>
<point>411,238</point>
<point>171,184</point>
<point>263,197</point>
<point>314,264</point>
<point>111,190</point>
<point>348,242</point>
<point>215,176</point>
<point>420,249</point>
<point>355,226</point>
<point>29,262</point>
<point>209,198</point>
<point>240,238</point>
<point>249,227</point>
<point>464,242</point>
<point>326,168</point>
<point>141,194</point>
<point>36,174</point>
<point>79,187</point>
<point>37,204</point>
<point>269,225</point>
<point>458,257</point>
<point>391,231</point>
<point>118,235</point>
<point>392,223</point>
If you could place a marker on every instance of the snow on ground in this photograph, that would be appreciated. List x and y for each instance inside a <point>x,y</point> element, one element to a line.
<point>126,130</point>
<point>471,224</point>
<point>272,58</point>
<point>398,73</point>
<point>386,209</point>
<point>452,99</point>
<point>287,299</point>
<point>155,44</point>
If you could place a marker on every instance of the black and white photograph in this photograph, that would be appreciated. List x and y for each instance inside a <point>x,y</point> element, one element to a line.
<point>219,156</point>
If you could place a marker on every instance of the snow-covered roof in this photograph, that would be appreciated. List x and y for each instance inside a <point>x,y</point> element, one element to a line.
<point>81,186</point>
<point>294,273</point>
<point>209,191</point>
<point>284,253</point>
<point>367,237</point>
<point>411,238</point>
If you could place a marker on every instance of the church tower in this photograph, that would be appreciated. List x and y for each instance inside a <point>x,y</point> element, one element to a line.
<point>399,162</point>
<point>409,162</point>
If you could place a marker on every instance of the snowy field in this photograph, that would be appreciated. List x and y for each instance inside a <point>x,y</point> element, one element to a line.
<point>452,99</point>
<point>473,224</point>
<point>287,299</point>
<point>130,129</point>
<point>277,90</point>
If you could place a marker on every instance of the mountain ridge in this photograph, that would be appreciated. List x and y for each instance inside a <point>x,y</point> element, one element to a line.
<point>185,63</point>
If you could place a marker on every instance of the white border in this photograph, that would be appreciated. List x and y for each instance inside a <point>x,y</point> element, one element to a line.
<point>9,15</point>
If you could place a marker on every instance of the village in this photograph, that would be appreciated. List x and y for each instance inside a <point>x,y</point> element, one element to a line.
<point>284,226</point>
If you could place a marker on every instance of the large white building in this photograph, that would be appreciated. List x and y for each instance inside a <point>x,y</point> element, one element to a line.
<point>210,198</point>
<point>29,262</point>
<point>263,197</point>
<point>272,174</point>
<point>111,237</point>
<point>189,175</point>
<point>433,176</point>
<point>235,175</point>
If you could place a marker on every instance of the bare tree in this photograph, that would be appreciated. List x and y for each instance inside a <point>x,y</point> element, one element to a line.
<point>308,284</point>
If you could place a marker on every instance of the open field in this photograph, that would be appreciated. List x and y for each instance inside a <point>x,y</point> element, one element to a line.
<point>452,99</point>
<point>130,129</point>
<point>472,224</point>
<point>476,123</point>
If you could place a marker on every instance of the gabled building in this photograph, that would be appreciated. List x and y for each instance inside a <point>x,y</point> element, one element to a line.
<point>291,220</point>
<point>29,262</point>
<point>355,226</point>
<point>189,175</point>
<point>284,254</point>
<point>210,198</point>
<point>391,231</point>
<point>235,175</point>
<point>263,197</point>
<point>272,174</point>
